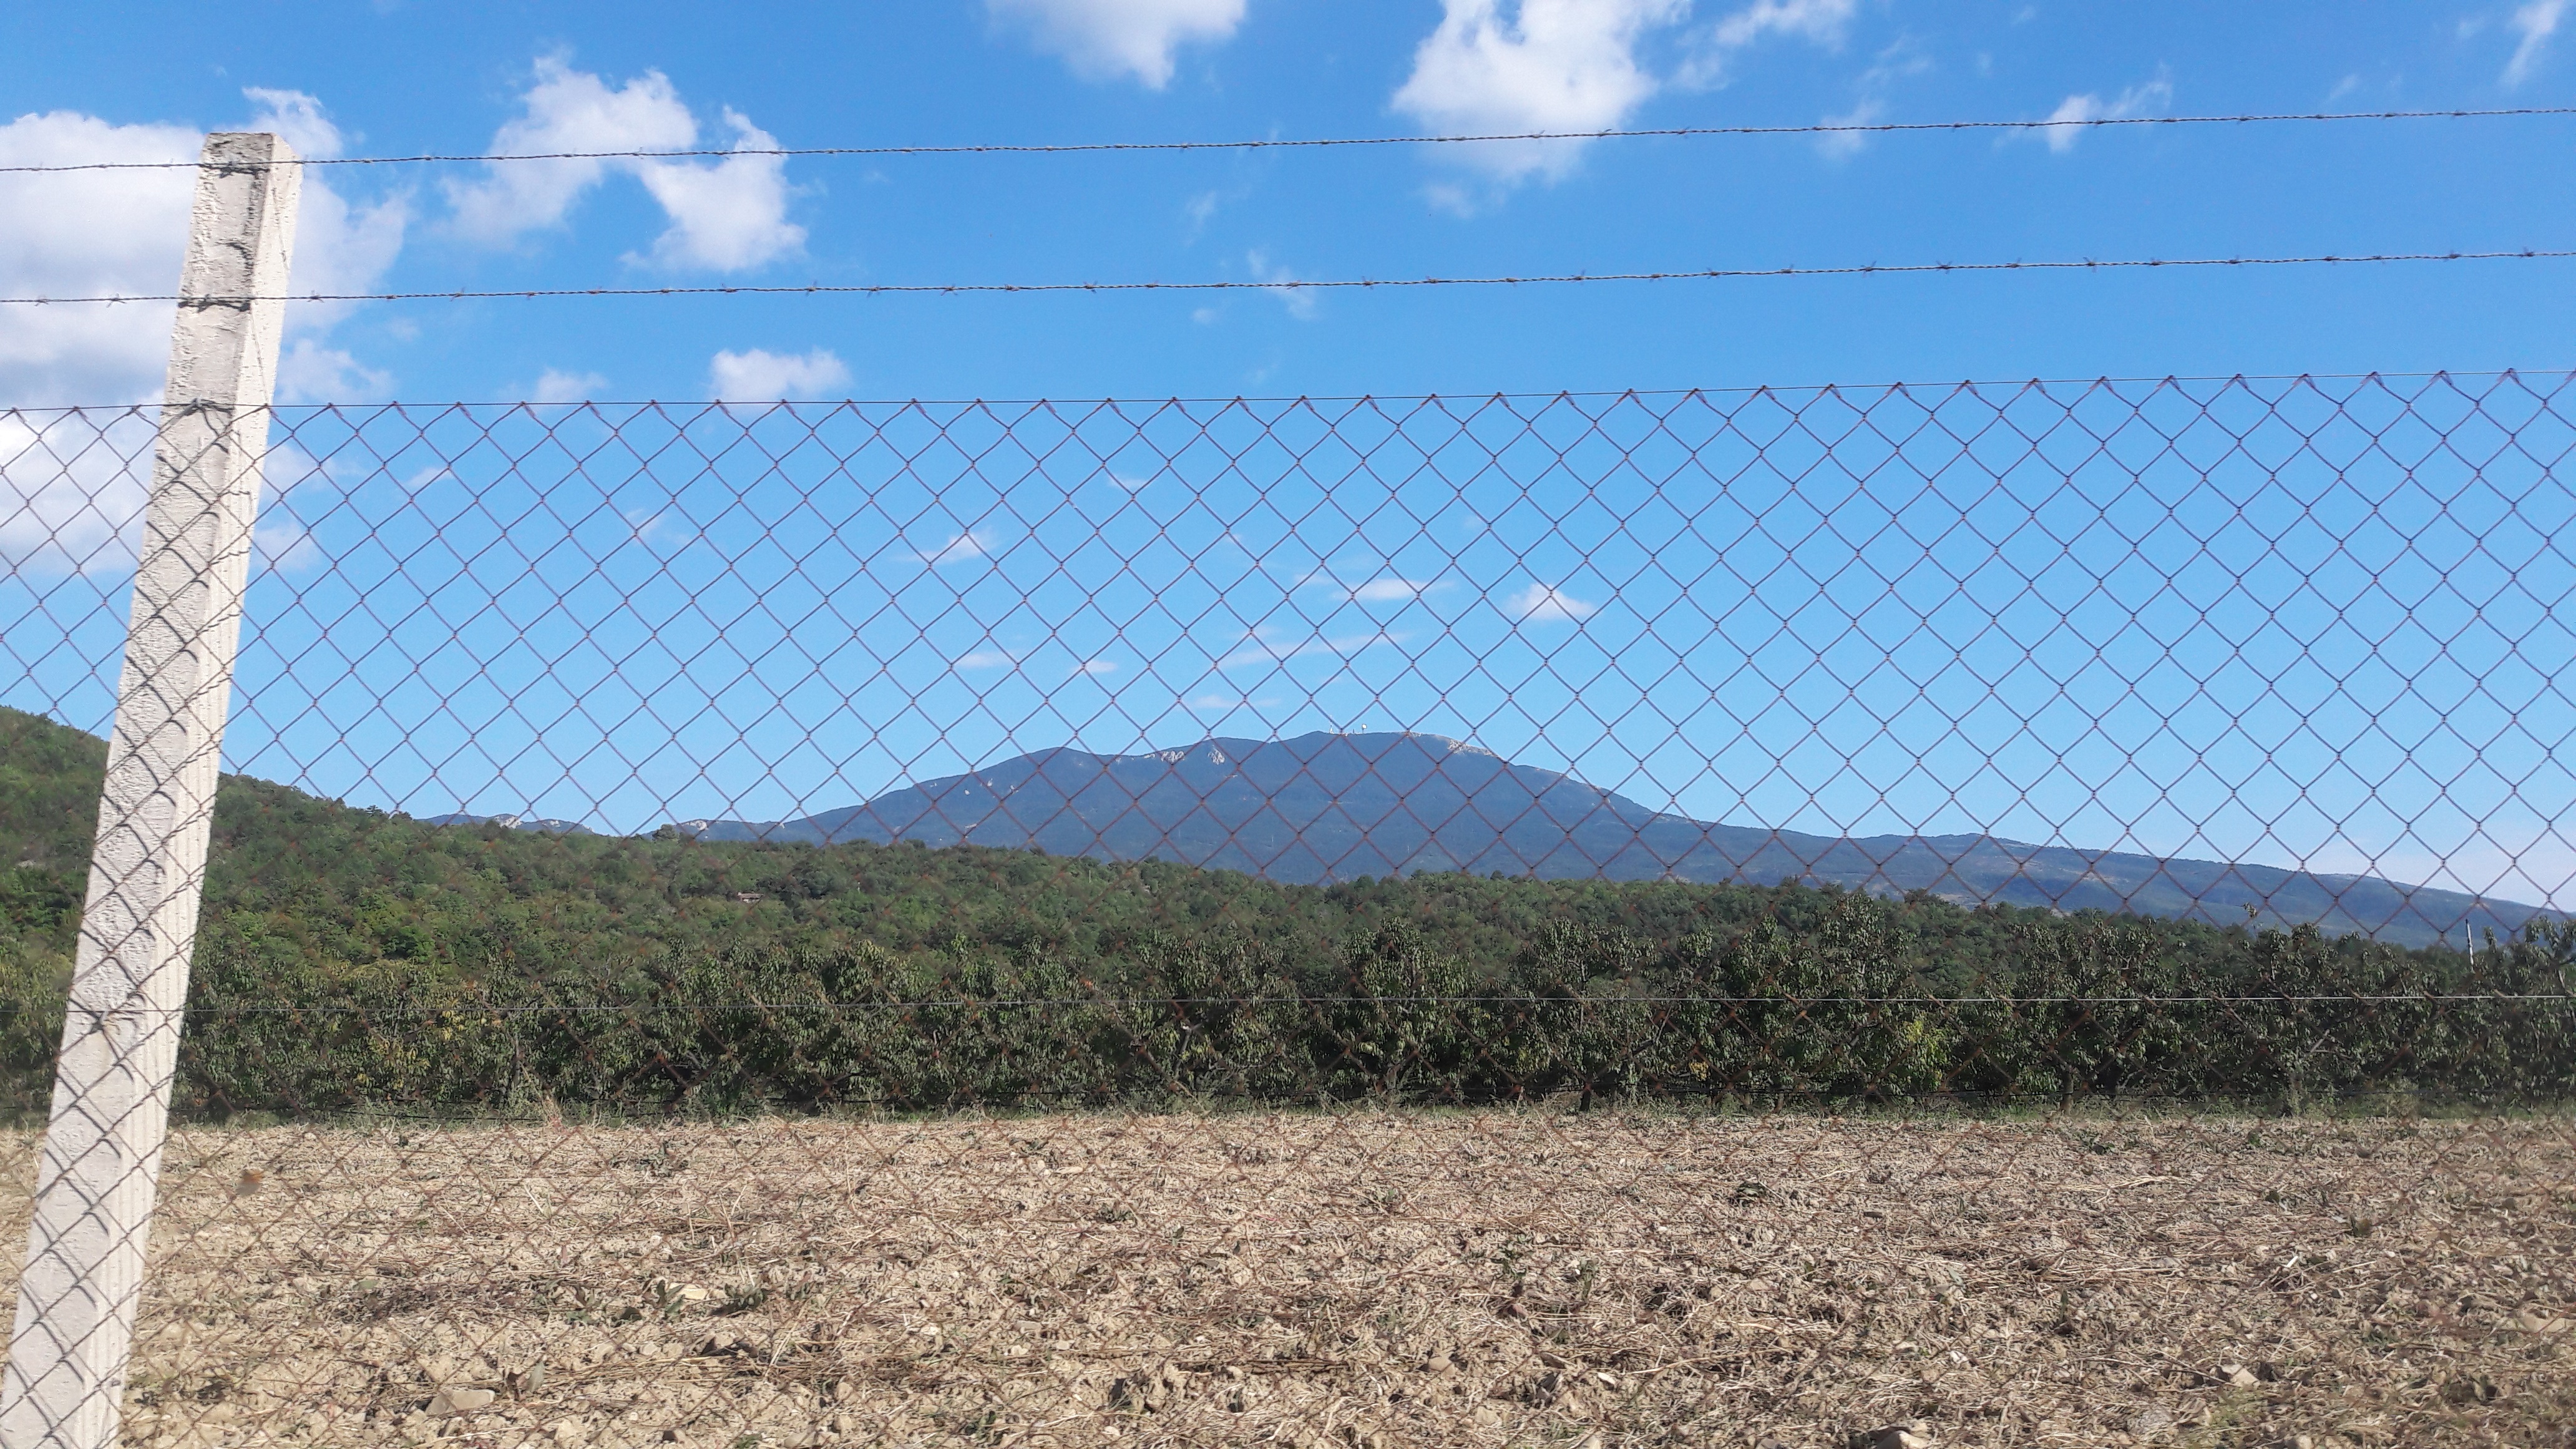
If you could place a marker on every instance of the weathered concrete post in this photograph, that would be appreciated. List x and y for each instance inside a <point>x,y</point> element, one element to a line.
<point>102,1153</point>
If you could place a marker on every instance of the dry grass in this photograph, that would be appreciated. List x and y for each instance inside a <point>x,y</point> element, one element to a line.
<point>1368,1280</point>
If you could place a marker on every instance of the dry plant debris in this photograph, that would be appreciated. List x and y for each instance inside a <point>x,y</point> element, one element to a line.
<point>1364,1280</point>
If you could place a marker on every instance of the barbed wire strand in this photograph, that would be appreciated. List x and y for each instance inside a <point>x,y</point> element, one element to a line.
<point>1822,128</point>
<point>1866,269</point>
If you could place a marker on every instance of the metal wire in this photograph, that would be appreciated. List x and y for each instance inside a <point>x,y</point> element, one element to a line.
<point>1822,128</point>
<point>1352,284</point>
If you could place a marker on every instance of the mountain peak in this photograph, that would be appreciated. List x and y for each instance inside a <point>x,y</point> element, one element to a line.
<point>1324,807</point>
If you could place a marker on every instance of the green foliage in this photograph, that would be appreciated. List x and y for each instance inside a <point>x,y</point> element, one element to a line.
<point>353,959</point>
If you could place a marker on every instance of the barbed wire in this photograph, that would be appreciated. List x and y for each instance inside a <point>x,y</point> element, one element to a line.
<point>1822,128</point>
<point>1864,269</point>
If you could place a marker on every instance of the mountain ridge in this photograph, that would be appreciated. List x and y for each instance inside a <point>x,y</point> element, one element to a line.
<point>1324,807</point>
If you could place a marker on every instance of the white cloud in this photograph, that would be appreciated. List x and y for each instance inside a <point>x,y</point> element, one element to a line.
<point>726,215</point>
<point>71,490</point>
<point>1390,589</point>
<point>986,659</point>
<point>2536,22</point>
<point>339,248</point>
<point>660,527</point>
<point>1540,604</point>
<point>759,376</point>
<point>1094,667</point>
<point>1821,22</point>
<point>2066,124</point>
<point>1552,65</point>
<point>972,544</point>
<point>1456,200</point>
<point>1109,39</point>
<point>89,233</point>
<point>281,543</point>
<point>1840,145</point>
<point>556,386</point>
<point>1271,644</point>
<point>566,110</point>
<point>100,233</point>
<point>1896,63</point>
<point>1300,301</point>
<point>296,117</point>
<point>73,486</point>
<point>310,372</point>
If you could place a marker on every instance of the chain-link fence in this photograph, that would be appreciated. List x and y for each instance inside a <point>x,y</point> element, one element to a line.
<point>1993,914</point>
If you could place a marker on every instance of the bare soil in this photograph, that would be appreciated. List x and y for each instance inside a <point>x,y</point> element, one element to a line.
<point>1364,1280</point>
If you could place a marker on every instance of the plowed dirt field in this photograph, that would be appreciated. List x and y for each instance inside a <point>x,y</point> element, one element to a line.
<point>1364,1279</point>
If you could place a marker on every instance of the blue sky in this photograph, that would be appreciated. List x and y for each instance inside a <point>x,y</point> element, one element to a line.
<point>142,81</point>
<point>402,77</point>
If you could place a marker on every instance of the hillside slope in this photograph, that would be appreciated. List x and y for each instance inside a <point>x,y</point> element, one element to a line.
<point>349,958</point>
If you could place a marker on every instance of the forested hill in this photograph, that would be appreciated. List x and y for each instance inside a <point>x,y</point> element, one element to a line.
<point>351,956</point>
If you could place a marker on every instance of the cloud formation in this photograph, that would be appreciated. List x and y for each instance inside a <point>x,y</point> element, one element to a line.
<point>339,246</point>
<point>308,372</point>
<point>67,504</point>
<point>2066,125</point>
<point>89,233</point>
<point>1550,65</point>
<point>1382,589</point>
<point>2536,22</point>
<point>972,544</point>
<point>1274,644</point>
<point>297,118</point>
<point>1820,22</point>
<point>1391,591</point>
<point>1114,39</point>
<point>1541,604</point>
<point>566,110</point>
<point>1897,62</point>
<point>759,376</point>
<point>726,215</point>
<point>101,233</point>
<point>1300,301</point>
<point>556,386</point>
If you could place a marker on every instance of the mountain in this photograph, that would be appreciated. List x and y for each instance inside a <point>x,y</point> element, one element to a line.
<point>528,823</point>
<point>1326,807</point>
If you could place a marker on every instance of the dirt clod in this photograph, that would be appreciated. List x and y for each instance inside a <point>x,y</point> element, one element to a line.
<point>449,1402</point>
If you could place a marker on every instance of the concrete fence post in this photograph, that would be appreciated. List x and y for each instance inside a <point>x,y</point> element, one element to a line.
<point>102,1154</point>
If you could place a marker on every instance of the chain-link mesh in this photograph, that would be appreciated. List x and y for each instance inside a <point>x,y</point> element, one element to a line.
<point>1988,915</point>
